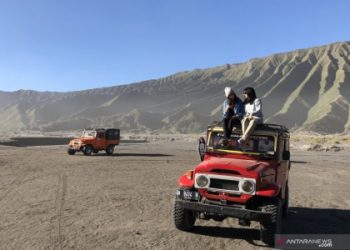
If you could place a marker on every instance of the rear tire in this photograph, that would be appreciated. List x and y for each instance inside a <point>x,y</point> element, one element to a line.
<point>273,224</point>
<point>88,150</point>
<point>184,219</point>
<point>71,151</point>
<point>110,149</point>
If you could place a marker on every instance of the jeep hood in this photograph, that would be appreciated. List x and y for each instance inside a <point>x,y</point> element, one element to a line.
<point>233,166</point>
<point>84,139</point>
<point>80,140</point>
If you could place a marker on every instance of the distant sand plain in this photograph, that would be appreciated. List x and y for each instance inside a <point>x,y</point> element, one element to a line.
<point>50,200</point>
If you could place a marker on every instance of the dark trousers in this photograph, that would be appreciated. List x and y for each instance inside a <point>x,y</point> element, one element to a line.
<point>228,124</point>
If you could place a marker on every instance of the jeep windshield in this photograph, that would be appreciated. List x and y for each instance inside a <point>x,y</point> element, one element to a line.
<point>89,133</point>
<point>260,144</point>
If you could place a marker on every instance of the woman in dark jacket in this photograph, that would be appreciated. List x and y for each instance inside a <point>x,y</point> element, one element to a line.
<point>233,111</point>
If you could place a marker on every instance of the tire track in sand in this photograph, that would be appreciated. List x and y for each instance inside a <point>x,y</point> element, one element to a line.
<point>57,219</point>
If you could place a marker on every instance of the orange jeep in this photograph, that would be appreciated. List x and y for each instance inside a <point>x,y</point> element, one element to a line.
<point>95,140</point>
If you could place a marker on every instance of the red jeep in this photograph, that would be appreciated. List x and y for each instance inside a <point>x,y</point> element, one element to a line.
<point>95,140</point>
<point>248,182</point>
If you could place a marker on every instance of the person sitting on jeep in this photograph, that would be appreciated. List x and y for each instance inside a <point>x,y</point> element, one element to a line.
<point>201,148</point>
<point>253,114</point>
<point>233,111</point>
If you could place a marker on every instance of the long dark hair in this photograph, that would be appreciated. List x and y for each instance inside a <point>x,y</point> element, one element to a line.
<point>250,92</point>
<point>235,99</point>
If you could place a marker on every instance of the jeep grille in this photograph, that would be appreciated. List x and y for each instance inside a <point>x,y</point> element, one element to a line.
<point>224,184</point>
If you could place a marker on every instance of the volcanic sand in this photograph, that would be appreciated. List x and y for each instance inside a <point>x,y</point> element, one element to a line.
<point>51,200</point>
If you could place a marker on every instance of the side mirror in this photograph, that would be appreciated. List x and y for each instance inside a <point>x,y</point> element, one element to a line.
<point>201,148</point>
<point>286,156</point>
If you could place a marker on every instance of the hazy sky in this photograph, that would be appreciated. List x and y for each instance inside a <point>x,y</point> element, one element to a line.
<point>67,45</point>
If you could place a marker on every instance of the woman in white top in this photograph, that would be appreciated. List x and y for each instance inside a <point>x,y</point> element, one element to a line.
<point>253,114</point>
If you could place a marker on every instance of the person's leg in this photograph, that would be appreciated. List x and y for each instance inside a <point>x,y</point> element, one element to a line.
<point>230,127</point>
<point>249,130</point>
<point>225,123</point>
<point>244,123</point>
<point>236,122</point>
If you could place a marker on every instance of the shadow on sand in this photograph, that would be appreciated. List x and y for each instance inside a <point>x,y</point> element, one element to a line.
<point>299,221</point>
<point>317,221</point>
<point>36,141</point>
<point>246,234</point>
<point>49,141</point>
<point>299,162</point>
<point>132,154</point>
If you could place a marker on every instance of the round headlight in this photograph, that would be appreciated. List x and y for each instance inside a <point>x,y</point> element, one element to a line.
<point>248,186</point>
<point>202,181</point>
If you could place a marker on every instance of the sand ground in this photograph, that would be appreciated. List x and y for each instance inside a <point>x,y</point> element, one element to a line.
<point>50,200</point>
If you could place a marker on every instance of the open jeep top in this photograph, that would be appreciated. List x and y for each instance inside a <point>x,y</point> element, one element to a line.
<point>108,134</point>
<point>263,141</point>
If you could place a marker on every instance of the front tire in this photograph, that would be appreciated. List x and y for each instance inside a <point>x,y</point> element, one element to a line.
<point>88,150</point>
<point>71,151</point>
<point>184,219</point>
<point>273,224</point>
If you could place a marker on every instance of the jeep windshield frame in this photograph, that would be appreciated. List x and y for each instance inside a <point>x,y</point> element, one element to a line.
<point>258,144</point>
<point>89,134</point>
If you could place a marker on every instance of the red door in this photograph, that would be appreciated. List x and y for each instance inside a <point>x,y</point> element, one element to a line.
<point>100,141</point>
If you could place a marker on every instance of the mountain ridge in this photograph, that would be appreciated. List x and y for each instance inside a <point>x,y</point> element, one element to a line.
<point>305,89</point>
